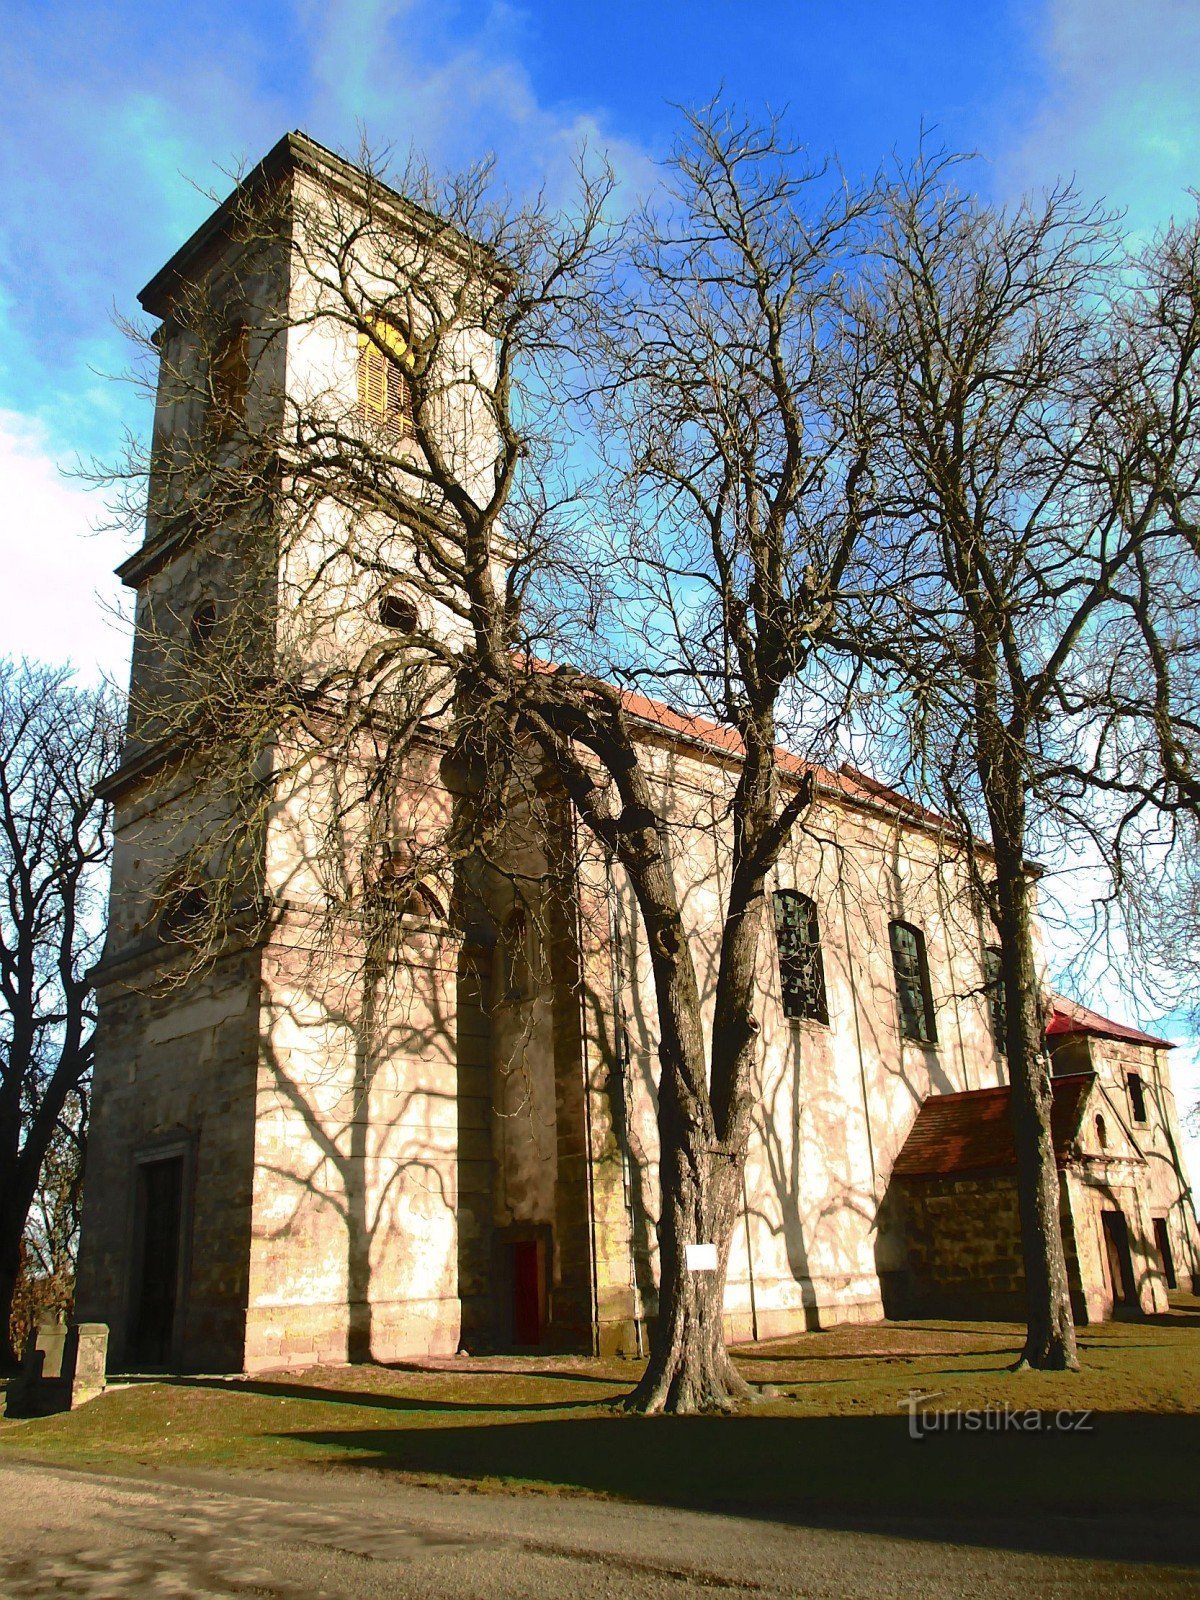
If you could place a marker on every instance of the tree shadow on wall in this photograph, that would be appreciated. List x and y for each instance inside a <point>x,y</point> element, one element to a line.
<point>366,1023</point>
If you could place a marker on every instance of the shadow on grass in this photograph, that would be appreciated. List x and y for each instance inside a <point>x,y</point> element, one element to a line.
<point>860,1358</point>
<point>1125,1489</point>
<point>479,1368</point>
<point>391,1402</point>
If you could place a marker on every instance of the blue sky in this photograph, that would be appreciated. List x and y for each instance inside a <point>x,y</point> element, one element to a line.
<point>114,119</point>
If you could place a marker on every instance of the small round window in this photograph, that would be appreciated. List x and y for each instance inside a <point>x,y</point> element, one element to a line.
<point>398,612</point>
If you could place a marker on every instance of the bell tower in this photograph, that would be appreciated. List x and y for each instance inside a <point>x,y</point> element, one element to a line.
<point>273,1159</point>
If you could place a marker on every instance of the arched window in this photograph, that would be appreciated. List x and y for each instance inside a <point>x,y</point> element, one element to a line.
<point>185,914</point>
<point>1101,1133</point>
<point>801,969</point>
<point>911,968</point>
<point>385,392</point>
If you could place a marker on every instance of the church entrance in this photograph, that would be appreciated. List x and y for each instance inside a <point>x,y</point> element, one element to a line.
<point>1162,1239</point>
<point>159,1221</point>
<point>523,1278</point>
<point>525,1227</point>
<point>1120,1261</point>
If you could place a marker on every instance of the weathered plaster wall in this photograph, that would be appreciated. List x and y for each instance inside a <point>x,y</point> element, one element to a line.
<point>174,1068</point>
<point>1166,1185</point>
<point>834,1102</point>
<point>354,1250</point>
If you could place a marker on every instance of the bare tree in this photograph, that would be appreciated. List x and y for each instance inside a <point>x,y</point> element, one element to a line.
<point>1005,391</point>
<point>740,517</point>
<point>49,1247</point>
<point>1149,690</point>
<point>414,615</point>
<point>451,488</point>
<point>56,742</point>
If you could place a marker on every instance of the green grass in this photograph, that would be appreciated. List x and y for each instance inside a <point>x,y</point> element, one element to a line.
<point>836,1441</point>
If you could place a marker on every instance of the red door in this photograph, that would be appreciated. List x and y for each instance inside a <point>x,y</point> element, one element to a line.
<point>527,1293</point>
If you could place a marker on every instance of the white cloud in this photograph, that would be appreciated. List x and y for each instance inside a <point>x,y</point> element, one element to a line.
<point>391,68</point>
<point>1120,110</point>
<point>59,592</point>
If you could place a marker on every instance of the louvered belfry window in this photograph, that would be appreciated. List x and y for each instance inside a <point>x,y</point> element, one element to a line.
<point>801,969</point>
<point>229,378</point>
<point>385,394</point>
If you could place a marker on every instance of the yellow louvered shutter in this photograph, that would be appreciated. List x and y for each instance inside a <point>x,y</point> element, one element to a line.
<point>384,387</point>
<point>372,378</point>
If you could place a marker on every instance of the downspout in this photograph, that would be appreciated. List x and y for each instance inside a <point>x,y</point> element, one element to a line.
<point>616,967</point>
<point>862,1065</point>
<point>750,1255</point>
<point>958,1029</point>
<point>585,1061</point>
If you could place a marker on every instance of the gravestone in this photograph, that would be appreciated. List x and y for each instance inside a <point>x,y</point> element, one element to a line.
<point>86,1355</point>
<point>62,1368</point>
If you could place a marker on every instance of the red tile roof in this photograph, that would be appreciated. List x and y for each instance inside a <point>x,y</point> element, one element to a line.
<point>972,1132</point>
<point>1070,1017</point>
<point>847,780</point>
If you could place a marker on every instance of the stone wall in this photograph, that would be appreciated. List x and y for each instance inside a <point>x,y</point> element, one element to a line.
<point>175,1071</point>
<point>963,1237</point>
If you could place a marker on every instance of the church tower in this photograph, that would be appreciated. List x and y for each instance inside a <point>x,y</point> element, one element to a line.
<point>290,1157</point>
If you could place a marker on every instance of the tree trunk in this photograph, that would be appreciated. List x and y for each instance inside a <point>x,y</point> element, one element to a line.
<point>12,1230</point>
<point>1002,761</point>
<point>1050,1336</point>
<point>689,1367</point>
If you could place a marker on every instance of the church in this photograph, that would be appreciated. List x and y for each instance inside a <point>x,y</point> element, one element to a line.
<point>263,1190</point>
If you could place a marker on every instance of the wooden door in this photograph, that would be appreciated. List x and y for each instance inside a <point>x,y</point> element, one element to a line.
<point>527,1292</point>
<point>1162,1239</point>
<point>160,1212</point>
<point>1120,1262</point>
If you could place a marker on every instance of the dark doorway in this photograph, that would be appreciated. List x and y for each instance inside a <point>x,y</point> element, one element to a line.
<point>1120,1262</point>
<point>523,1256</point>
<point>527,1293</point>
<point>159,1215</point>
<point>1162,1239</point>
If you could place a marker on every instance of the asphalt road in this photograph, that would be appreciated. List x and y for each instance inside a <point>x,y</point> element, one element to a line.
<point>308,1537</point>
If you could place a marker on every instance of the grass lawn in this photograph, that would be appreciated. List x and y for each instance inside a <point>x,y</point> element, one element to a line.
<point>836,1441</point>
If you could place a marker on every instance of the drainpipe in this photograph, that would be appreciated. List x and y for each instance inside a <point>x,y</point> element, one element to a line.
<point>616,968</point>
<point>585,1061</point>
<point>958,1029</point>
<point>750,1254</point>
<point>862,1065</point>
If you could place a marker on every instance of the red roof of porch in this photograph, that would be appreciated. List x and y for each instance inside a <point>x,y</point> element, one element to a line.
<point>1069,1016</point>
<point>972,1131</point>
